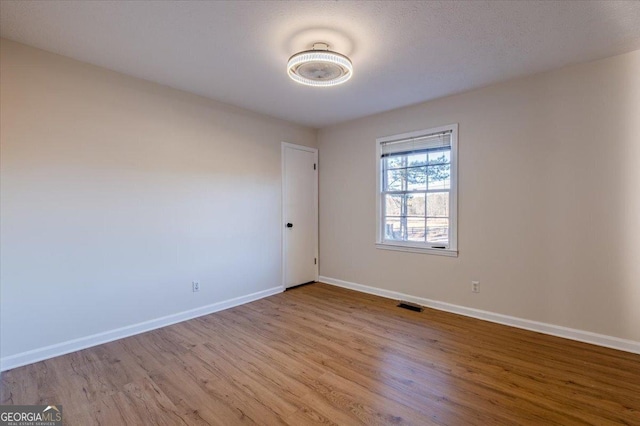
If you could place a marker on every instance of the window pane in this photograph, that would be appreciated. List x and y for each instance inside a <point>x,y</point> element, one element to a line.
<point>417,179</point>
<point>395,180</point>
<point>394,162</point>
<point>405,229</point>
<point>392,229</point>
<point>438,231</point>
<point>415,229</point>
<point>438,204</point>
<point>417,160</point>
<point>439,176</point>
<point>415,205</point>
<point>394,205</point>
<point>440,157</point>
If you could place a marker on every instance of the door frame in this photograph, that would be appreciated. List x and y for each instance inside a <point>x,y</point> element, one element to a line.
<point>283,243</point>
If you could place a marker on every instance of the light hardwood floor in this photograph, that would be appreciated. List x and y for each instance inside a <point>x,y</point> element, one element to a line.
<point>320,354</point>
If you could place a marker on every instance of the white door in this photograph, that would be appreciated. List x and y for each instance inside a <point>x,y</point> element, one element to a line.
<point>300,214</point>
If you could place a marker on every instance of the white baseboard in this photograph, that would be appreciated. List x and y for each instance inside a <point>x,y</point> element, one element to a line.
<point>63,348</point>
<point>540,327</point>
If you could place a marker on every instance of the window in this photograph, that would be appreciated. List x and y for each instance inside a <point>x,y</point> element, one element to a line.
<point>417,194</point>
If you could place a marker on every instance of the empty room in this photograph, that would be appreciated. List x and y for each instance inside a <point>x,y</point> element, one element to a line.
<point>319,212</point>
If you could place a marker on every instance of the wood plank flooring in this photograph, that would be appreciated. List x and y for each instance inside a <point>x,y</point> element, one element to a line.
<point>324,355</point>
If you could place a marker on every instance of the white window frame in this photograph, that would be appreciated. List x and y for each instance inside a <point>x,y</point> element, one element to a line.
<point>427,248</point>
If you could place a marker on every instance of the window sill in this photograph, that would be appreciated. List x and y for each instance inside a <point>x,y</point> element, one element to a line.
<point>413,249</point>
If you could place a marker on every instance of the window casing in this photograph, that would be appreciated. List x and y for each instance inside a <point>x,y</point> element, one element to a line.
<point>417,191</point>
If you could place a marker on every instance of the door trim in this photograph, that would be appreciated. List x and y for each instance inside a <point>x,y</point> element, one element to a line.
<point>286,145</point>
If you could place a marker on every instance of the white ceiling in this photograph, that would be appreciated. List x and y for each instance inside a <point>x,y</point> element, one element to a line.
<point>403,52</point>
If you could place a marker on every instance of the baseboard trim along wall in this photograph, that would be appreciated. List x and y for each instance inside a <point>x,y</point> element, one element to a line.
<point>40,354</point>
<point>540,327</point>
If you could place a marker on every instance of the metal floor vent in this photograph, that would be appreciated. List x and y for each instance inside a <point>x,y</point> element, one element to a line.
<point>410,306</point>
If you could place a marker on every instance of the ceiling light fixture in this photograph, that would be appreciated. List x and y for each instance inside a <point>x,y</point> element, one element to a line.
<point>319,67</point>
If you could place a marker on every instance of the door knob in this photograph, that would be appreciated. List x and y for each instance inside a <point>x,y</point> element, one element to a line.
<point>289,225</point>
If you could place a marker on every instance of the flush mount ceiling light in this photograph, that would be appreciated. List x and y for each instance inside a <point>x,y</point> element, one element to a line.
<point>319,67</point>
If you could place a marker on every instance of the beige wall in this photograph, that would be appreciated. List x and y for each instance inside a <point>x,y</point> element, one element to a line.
<point>549,199</point>
<point>117,193</point>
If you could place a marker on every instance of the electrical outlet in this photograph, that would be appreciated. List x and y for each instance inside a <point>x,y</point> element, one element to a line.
<point>195,286</point>
<point>475,286</point>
